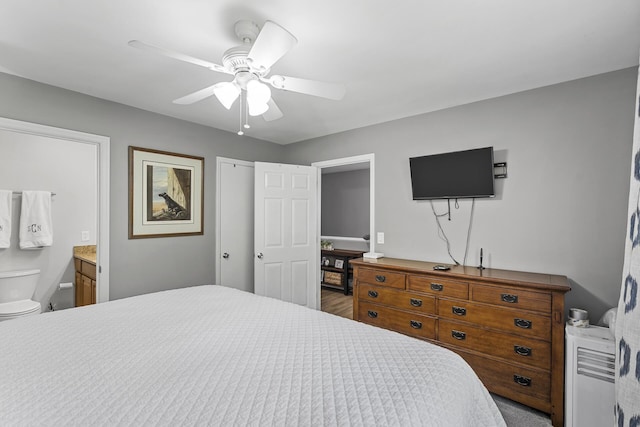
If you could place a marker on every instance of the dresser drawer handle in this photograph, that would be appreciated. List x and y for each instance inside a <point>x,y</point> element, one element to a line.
<point>521,350</point>
<point>523,381</point>
<point>437,287</point>
<point>522,323</point>
<point>373,294</point>
<point>415,324</point>
<point>458,335</point>
<point>380,278</point>
<point>512,299</point>
<point>372,314</point>
<point>416,302</point>
<point>459,311</point>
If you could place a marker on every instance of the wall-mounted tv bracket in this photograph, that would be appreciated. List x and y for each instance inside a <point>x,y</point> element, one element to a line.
<point>503,172</point>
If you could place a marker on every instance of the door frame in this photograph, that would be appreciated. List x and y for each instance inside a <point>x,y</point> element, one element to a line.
<point>102,144</point>
<point>219,161</point>
<point>363,158</point>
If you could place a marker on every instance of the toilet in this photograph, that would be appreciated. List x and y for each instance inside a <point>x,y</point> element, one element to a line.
<point>16,289</point>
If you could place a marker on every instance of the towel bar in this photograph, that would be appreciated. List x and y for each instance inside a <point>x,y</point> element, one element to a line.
<point>19,193</point>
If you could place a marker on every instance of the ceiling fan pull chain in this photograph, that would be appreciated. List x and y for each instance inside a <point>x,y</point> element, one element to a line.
<point>240,132</point>
<point>246,112</point>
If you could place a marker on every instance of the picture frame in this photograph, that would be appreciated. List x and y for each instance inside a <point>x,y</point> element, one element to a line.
<point>339,263</point>
<point>166,194</point>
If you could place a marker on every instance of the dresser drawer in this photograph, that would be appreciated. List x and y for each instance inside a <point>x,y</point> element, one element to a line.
<point>511,347</point>
<point>398,299</point>
<point>415,325</point>
<point>519,322</point>
<point>381,278</point>
<point>532,386</point>
<point>512,297</point>
<point>438,286</point>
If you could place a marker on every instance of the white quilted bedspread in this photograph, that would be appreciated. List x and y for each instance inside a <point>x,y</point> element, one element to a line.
<point>210,355</point>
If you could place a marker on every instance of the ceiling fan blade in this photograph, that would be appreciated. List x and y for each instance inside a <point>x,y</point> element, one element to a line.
<point>179,56</point>
<point>270,45</point>
<point>196,96</point>
<point>333,91</point>
<point>273,113</point>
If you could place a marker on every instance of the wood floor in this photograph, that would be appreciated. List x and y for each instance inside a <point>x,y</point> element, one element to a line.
<point>336,302</point>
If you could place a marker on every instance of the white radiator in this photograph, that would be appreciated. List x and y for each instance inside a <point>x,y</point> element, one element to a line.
<point>589,377</point>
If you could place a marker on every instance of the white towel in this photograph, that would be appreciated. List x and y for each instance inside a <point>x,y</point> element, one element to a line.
<point>36,229</point>
<point>5,218</point>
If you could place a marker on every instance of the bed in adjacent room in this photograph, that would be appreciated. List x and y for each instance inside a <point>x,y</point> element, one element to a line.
<point>210,355</point>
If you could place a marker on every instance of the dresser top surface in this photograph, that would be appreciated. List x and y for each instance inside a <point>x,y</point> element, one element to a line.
<point>547,281</point>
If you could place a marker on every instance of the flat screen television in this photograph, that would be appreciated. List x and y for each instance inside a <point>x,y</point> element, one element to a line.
<point>457,175</point>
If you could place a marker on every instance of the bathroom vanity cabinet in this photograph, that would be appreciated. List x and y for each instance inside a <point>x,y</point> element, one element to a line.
<point>85,264</point>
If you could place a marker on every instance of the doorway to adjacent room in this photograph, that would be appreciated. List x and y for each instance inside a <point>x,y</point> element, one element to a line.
<point>346,204</point>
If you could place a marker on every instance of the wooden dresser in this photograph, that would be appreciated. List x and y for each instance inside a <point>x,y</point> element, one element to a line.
<point>508,325</point>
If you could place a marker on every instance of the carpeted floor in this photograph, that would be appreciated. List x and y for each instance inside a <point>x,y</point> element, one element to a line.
<point>517,415</point>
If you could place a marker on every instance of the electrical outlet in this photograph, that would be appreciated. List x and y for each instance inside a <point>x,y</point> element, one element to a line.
<point>85,236</point>
<point>380,238</point>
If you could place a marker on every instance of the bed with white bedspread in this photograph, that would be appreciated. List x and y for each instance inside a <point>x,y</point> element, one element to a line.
<point>210,355</point>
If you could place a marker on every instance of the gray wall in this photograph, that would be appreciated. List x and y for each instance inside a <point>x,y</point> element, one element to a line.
<point>562,208</point>
<point>345,203</point>
<point>142,265</point>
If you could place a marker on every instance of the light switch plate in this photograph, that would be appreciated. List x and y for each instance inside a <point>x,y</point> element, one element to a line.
<point>380,238</point>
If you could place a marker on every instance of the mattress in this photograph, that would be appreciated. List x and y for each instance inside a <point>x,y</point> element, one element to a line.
<point>210,355</point>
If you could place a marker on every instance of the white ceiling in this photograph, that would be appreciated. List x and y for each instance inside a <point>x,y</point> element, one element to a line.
<point>396,58</point>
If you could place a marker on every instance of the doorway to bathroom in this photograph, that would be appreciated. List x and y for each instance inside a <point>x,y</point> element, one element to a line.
<point>75,166</point>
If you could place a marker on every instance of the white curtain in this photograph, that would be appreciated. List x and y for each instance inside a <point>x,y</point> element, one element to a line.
<point>627,410</point>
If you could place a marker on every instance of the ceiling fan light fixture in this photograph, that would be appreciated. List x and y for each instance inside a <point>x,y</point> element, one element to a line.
<point>257,92</point>
<point>227,93</point>
<point>256,109</point>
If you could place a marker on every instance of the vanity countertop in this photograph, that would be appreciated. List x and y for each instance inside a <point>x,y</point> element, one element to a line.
<point>85,253</point>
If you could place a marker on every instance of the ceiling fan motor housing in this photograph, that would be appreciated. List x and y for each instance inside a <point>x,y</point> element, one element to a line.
<point>235,59</point>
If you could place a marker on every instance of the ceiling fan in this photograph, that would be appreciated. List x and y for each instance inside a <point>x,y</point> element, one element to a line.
<point>250,64</point>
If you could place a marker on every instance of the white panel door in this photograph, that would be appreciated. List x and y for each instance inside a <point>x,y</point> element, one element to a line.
<point>286,233</point>
<point>235,198</point>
